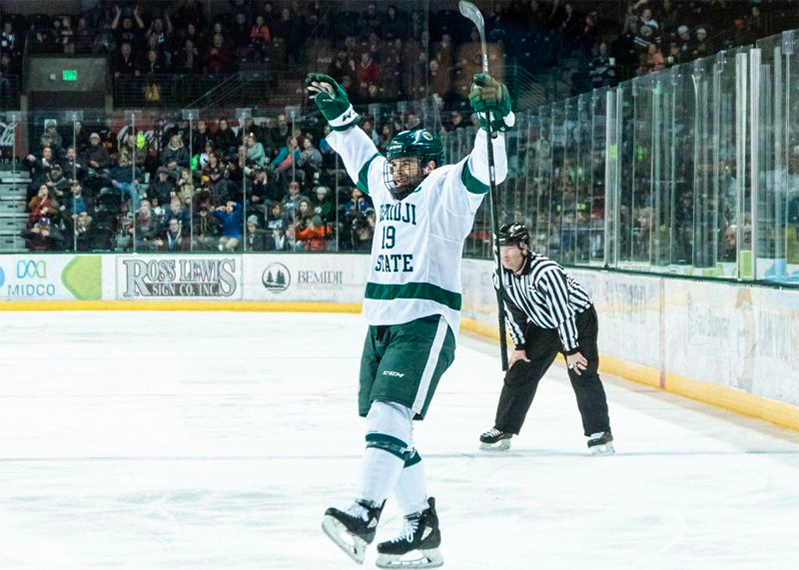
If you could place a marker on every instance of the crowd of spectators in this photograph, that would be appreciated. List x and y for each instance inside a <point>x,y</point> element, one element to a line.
<point>657,34</point>
<point>270,184</point>
<point>384,53</point>
<point>258,185</point>
<point>604,47</point>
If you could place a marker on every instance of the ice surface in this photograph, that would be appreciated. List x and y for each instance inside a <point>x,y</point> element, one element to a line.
<point>217,440</point>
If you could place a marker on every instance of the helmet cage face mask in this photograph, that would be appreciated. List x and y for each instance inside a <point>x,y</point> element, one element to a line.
<point>407,157</point>
<point>410,182</point>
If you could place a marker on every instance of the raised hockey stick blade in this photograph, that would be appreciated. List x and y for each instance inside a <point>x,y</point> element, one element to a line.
<point>473,13</point>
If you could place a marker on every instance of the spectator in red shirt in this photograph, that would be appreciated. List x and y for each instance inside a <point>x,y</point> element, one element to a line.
<point>219,58</point>
<point>367,72</point>
<point>42,205</point>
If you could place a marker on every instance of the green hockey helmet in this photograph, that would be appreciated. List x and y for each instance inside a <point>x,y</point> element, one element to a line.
<point>407,155</point>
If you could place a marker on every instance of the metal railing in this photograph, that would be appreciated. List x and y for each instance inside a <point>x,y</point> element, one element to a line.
<point>191,90</point>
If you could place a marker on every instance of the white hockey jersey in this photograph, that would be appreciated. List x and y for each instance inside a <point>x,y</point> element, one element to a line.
<point>418,242</point>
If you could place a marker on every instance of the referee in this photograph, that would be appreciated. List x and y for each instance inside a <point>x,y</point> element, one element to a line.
<point>547,313</point>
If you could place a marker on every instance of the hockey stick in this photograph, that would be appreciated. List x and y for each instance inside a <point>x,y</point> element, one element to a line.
<point>472,12</point>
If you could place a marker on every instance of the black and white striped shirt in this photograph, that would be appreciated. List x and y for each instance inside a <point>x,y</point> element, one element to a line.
<point>545,295</point>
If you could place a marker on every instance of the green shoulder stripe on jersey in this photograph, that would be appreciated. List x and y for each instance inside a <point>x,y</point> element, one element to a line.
<point>428,291</point>
<point>472,184</point>
<point>363,175</point>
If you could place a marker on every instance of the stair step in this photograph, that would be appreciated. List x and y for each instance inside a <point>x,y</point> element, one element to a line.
<point>11,243</point>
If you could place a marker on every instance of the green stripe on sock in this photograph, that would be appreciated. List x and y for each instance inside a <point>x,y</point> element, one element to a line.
<point>427,291</point>
<point>392,445</point>
<point>412,460</point>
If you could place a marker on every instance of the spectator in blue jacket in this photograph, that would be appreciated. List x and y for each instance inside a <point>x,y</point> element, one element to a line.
<point>230,215</point>
<point>287,157</point>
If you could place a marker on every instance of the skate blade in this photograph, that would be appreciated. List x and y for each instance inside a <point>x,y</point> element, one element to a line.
<point>425,558</point>
<point>501,445</point>
<point>355,547</point>
<point>606,449</point>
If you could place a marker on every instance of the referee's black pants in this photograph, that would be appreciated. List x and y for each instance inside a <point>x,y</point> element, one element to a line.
<point>521,381</point>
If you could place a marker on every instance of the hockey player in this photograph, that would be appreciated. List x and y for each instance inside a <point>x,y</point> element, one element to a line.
<point>547,313</point>
<point>412,302</point>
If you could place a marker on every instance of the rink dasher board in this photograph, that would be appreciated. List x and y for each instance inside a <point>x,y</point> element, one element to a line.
<point>730,345</point>
<point>292,278</point>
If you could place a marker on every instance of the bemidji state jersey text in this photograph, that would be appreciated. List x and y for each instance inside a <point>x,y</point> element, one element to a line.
<point>416,251</point>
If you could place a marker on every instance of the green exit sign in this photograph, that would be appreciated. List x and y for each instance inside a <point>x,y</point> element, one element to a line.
<point>70,75</point>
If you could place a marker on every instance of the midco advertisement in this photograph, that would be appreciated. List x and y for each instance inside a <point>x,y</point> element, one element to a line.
<point>50,277</point>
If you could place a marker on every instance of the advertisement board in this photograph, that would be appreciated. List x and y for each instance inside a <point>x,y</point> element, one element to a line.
<point>178,277</point>
<point>50,277</point>
<point>305,277</point>
<point>630,319</point>
<point>724,334</point>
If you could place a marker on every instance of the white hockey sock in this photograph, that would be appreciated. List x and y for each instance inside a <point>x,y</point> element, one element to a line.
<point>389,430</point>
<point>379,473</point>
<point>411,489</point>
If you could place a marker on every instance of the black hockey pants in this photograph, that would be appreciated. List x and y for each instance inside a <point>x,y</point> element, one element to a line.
<point>521,381</point>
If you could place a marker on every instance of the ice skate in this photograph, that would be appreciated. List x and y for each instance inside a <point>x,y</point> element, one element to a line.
<point>417,544</point>
<point>601,443</point>
<point>495,440</point>
<point>353,529</point>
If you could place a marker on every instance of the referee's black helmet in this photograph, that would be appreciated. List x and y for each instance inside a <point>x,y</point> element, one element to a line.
<point>513,233</point>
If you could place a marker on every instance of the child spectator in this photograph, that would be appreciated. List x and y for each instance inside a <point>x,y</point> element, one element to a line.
<point>256,237</point>
<point>185,186</point>
<point>322,205</point>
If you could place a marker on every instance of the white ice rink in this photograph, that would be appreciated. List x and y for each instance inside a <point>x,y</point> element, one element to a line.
<point>216,441</point>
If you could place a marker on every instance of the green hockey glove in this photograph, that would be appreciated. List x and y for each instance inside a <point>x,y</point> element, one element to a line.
<point>489,97</point>
<point>332,100</point>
